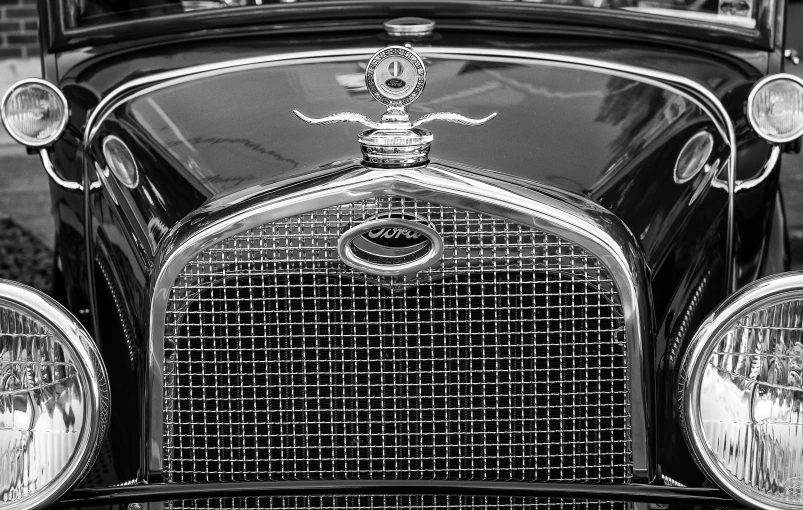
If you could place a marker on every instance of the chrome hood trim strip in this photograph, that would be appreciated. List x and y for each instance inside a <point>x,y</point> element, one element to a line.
<point>572,217</point>
<point>689,89</point>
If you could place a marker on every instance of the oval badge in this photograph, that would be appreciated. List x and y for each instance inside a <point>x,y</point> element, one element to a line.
<point>393,245</point>
<point>395,83</point>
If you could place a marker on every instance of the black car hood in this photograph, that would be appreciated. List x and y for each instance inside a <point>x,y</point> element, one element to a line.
<point>605,135</point>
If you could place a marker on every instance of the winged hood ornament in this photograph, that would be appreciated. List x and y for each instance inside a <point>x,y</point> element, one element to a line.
<point>395,76</point>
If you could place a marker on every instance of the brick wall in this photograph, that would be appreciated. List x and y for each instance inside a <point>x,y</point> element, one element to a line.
<point>18,29</point>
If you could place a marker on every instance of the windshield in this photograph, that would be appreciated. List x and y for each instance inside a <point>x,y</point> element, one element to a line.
<point>83,13</point>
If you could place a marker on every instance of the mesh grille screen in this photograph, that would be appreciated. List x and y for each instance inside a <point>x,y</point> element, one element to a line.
<point>506,361</point>
<point>397,502</point>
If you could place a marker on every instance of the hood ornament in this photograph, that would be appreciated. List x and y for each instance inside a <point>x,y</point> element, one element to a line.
<point>395,77</point>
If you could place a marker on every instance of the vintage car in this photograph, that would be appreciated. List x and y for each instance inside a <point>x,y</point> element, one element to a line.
<point>451,254</point>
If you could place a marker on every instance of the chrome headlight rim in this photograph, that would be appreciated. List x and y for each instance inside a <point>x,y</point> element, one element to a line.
<point>751,99</point>
<point>77,341</point>
<point>763,293</point>
<point>62,124</point>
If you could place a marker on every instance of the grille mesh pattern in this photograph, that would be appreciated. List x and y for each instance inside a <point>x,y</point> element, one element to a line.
<point>397,502</point>
<point>506,361</point>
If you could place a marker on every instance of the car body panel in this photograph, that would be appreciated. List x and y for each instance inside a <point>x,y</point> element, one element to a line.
<point>603,136</point>
<point>190,154</point>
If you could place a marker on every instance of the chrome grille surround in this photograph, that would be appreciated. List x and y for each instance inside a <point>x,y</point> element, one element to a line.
<point>506,361</point>
<point>578,222</point>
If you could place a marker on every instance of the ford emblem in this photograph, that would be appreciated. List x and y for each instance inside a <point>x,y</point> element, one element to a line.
<point>391,244</point>
<point>395,83</point>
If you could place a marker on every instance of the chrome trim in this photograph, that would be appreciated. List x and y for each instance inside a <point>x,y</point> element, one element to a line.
<point>671,482</point>
<point>766,170</point>
<point>75,338</point>
<point>752,97</point>
<point>574,218</point>
<point>351,259</point>
<point>700,95</point>
<point>453,117</point>
<point>338,117</point>
<point>710,171</point>
<point>759,294</point>
<point>127,483</point>
<point>57,179</point>
<point>62,124</point>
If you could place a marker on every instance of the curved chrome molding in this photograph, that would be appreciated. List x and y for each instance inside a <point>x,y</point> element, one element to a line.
<point>453,117</point>
<point>338,117</point>
<point>762,293</point>
<point>50,313</point>
<point>691,90</point>
<point>62,124</point>
<point>752,97</point>
<point>574,218</point>
<point>766,170</point>
<point>51,171</point>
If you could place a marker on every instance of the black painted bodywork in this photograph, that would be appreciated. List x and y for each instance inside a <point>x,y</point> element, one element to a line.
<point>605,137</point>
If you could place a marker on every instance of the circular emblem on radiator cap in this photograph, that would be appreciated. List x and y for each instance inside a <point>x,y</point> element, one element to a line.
<point>391,244</point>
<point>395,76</point>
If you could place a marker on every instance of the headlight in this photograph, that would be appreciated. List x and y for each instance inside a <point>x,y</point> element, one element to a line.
<point>741,394</point>
<point>775,108</point>
<point>54,402</point>
<point>34,112</point>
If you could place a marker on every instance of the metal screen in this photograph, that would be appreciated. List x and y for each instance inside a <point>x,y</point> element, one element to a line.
<point>507,361</point>
<point>398,502</point>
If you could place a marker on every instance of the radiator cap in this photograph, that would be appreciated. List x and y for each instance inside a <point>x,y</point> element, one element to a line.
<point>409,27</point>
<point>395,76</point>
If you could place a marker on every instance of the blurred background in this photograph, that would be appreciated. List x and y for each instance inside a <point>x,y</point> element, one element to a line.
<point>26,226</point>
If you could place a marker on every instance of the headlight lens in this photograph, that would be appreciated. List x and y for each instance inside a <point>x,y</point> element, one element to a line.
<point>34,112</point>
<point>775,108</point>
<point>53,399</point>
<point>742,394</point>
